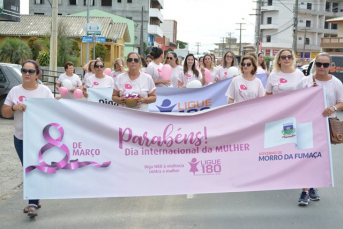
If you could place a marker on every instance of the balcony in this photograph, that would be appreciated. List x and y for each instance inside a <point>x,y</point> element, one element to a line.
<point>269,26</point>
<point>331,42</point>
<point>269,8</point>
<point>156,13</point>
<point>155,30</point>
<point>161,2</point>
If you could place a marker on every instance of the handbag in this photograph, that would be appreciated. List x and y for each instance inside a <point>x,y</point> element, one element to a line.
<point>335,126</point>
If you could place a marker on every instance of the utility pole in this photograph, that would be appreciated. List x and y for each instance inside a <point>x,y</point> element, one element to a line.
<point>229,40</point>
<point>240,39</point>
<point>198,44</point>
<point>53,39</point>
<point>257,25</point>
<point>87,47</point>
<point>141,43</point>
<point>304,44</point>
<point>223,43</point>
<point>295,26</point>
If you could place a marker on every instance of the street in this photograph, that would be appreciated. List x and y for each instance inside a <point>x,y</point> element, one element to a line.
<point>267,209</point>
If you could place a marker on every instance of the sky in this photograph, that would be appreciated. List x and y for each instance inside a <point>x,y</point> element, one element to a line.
<point>204,21</point>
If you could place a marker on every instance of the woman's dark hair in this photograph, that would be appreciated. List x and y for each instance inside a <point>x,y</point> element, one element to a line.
<point>263,65</point>
<point>143,62</point>
<point>69,63</point>
<point>185,66</point>
<point>156,52</point>
<point>34,63</point>
<point>149,56</point>
<point>97,61</point>
<point>174,55</point>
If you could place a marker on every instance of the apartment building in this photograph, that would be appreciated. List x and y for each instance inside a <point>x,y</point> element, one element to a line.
<point>277,25</point>
<point>131,9</point>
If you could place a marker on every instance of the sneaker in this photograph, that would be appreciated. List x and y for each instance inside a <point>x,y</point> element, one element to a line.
<point>304,199</point>
<point>313,194</point>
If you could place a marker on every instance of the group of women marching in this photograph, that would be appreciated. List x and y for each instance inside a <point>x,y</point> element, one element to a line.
<point>139,84</point>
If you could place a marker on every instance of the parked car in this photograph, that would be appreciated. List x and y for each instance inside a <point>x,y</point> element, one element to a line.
<point>336,69</point>
<point>10,76</point>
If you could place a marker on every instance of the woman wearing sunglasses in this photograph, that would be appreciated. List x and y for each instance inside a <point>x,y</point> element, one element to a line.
<point>172,60</point>
<point>99,79</point>
<point>190,72</point>
<point>334,102</point>
<point>118,68</point>
<point>72,77</point>
<point>209,65</point>
<point>229,60</point>
<point>285,76</point>
<point>29,88</point>
<point>245,86</point>
<point>134,81</point>
<point>155,67</point>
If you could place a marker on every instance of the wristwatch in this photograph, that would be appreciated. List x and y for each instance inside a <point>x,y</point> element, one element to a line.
<point>335,108</point>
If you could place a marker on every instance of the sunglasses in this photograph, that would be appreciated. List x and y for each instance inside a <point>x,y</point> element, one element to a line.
<point>98,66</point>
<point>169,58</point>
<point>30,71</point>
<point>246,64</point>
<point>286,57</point>
<point>319,64</point>
<point>229,57</point>
<point>132,59</point>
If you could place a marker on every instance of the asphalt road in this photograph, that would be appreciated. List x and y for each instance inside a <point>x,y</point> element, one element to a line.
<point>268,209</point>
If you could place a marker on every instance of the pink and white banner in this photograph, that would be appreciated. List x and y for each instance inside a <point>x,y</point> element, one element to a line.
<point>77,149</point>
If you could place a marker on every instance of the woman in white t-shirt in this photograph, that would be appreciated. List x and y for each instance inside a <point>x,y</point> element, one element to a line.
<point>229,60</point>
<point>209,65</point>
<point>245,86</point>
<point>262,66</point>
<point>14,105</point>
<point>118,68</point>
<point>190,72</point>
<point>135,81</point>
<point>172,60</point>
<point>90,71</point>
<point>334,102</point>
<point>284,76</point>
<point>155,67</point>
<point>99,80</point>
<point>73,78</point>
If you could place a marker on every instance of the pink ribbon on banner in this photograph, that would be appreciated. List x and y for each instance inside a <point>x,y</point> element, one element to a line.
<point>63,164</point>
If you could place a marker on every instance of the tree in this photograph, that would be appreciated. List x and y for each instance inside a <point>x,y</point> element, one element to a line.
<point>14,50</point>
<point>34,46</point>
<point>100,51</point>
<point>181,44</point>
<point>44,58</point>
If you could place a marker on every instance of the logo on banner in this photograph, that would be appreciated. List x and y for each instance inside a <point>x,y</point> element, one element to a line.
<point>166,106</point>
<point>207,167</point>
<point>64,163</point>
<point>288,130</point>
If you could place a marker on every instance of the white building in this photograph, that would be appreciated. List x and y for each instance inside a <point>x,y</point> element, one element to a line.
<point>169,28</point>
<point>277,25</point>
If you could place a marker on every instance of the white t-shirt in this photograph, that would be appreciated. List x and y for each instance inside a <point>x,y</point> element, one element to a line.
<point>114,75</point>
<point>86,76</point>
<point>75,81</point>
<point>105,82</point>
<point>260,70</point>
<point>188,77</point>
<point>155,71</point>
<point>333,89</point>
<point>143,85</point>
<point>223,73</point>
<point>16,96</point>
<point>214,74</point>
<point>279,82</point>
<point>175,76</point>
<point>241,89</point>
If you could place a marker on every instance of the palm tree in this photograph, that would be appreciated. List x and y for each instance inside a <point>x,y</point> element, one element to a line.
<point>15,51</point>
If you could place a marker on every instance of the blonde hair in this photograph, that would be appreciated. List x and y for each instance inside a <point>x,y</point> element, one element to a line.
<point>212,64</point>
<point>276,64</point>
<point>116,62</point>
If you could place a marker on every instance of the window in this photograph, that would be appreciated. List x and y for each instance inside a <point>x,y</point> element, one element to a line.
<point>309,6</point>
<point>39,1</point>
<point>269,20</point>
<point>335,7</point>
<point>327,6</point>
<point>307,41</point>
<point>2,77</point>
<point>300,38</point>
<point>326,25</point>
<point>91,2</point>
<point>119,1</point>
<point>73,2</point>
<point>59,14</point>
<point>129,1</point>
<point>333,26</point>
<point>39,13</point>
<point>106,2</point>
<point>269,38</point>
<point>129,18</point>
<point>270,2</point>
<point>308,23</point>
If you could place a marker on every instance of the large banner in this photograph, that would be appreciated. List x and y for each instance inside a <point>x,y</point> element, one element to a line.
<point>78,149</point>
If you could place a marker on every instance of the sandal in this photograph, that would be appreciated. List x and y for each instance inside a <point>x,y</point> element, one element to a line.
<point>26,209</point>
<point>32,212</point>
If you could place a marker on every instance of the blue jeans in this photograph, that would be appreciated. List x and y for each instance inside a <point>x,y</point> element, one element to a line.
<point>18,144</point>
